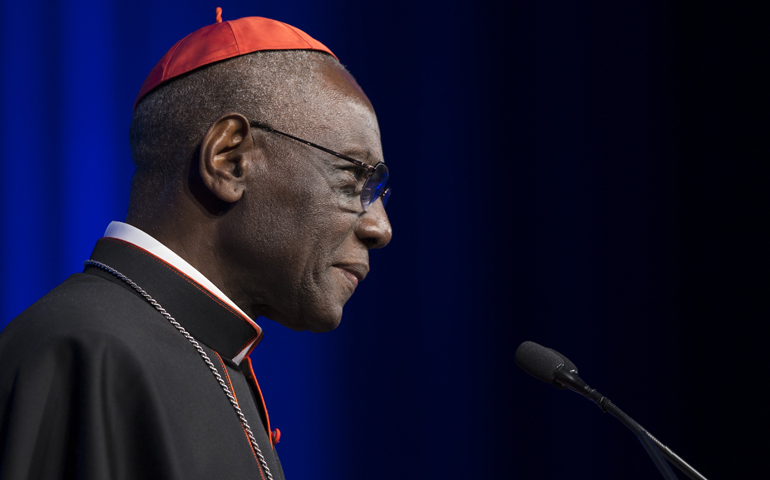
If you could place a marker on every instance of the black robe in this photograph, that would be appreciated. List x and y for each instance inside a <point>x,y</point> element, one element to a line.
<point>96,384</point>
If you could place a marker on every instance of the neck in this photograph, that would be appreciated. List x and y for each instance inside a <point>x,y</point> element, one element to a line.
<point>192,240</point>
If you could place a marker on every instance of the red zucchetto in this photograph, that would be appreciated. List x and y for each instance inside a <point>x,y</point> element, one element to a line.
<point>223,40</point>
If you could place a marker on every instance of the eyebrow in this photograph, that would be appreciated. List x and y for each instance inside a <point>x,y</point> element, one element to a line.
<point>362,154</point>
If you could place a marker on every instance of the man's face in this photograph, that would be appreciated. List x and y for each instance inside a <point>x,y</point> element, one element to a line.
<point>298,240</point>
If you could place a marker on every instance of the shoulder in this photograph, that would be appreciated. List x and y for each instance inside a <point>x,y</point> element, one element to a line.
<point>87,345</point>
<point>85,362</point>
<point>86,317</point>
<point>80,300</point>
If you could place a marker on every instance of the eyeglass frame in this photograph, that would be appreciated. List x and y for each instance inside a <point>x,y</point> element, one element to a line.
<point>371,168</point>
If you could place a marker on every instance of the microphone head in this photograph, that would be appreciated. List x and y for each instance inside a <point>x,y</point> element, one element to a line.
<point>542,362</point>
<point>567,363</point>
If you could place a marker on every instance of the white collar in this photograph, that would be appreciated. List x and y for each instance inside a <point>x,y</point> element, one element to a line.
<point>129,233</point>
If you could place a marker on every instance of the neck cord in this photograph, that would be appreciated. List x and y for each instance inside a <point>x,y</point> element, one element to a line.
<point>200,350</point>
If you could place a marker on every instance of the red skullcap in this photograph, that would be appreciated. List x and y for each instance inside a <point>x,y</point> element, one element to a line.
<point>223,40</point>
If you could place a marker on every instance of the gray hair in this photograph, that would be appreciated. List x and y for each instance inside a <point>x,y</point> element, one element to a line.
<point>170,121</point>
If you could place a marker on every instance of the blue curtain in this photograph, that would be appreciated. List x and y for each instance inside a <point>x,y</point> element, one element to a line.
<point>592,177</point>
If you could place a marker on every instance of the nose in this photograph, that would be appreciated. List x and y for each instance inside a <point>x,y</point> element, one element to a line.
<point>373,227</point>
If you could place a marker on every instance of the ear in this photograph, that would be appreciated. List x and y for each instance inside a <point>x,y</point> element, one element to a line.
<point>225,156</point>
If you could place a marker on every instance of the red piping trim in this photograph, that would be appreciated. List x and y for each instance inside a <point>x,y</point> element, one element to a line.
<point>232,390</point>
<point>262,399</point>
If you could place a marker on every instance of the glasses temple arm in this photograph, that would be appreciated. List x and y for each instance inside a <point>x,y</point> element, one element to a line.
<point>267,128</point>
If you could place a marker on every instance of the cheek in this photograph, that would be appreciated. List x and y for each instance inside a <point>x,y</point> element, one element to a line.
<point>303,215</point>
<point>290,230</point>
<point>301,229</point>
<point>281,210</point>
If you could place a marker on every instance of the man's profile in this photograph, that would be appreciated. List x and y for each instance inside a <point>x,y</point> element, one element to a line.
<point>258,191</point>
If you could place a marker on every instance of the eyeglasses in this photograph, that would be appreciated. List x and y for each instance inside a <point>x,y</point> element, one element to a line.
<point>374,186</point>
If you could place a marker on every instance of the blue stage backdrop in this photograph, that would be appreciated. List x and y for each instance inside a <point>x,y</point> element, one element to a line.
<point>589,176</point>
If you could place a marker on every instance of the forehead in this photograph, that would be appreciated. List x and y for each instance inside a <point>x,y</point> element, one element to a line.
<point>340,116</point>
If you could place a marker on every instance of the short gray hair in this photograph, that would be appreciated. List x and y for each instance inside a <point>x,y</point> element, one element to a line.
<point>169,122</point>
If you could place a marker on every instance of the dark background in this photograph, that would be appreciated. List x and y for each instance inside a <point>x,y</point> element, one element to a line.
<point>591,176</point>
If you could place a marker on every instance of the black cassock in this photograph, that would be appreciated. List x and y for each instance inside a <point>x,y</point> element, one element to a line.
<point>96,384</point>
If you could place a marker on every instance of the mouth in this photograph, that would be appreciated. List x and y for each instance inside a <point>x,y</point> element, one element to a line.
<point>353,272</point>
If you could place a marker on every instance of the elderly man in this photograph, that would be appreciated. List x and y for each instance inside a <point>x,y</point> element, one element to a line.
<point>259,190</point>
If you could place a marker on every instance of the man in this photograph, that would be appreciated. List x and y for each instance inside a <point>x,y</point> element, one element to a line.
<point>258,190</point>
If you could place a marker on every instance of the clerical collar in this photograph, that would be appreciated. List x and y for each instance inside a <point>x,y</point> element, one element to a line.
<point>130,234</point>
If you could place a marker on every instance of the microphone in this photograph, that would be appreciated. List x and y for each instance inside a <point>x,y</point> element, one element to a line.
<point>543,363</point>
<point>552,367</point>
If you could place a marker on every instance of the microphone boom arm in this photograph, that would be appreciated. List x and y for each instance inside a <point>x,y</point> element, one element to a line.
<point>570,379</point>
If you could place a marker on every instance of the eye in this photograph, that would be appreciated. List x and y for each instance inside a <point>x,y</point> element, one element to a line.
<point>351,181</point>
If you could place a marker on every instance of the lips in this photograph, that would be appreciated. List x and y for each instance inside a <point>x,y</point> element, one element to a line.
<point>354,272</point>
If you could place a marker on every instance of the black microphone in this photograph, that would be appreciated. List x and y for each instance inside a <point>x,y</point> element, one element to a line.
<point>543,363</point>
<point>552,367</point>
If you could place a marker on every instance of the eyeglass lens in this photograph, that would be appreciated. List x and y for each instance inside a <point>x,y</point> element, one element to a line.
<point>375,184</point>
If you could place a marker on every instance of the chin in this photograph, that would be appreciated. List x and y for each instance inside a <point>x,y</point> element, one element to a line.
<point>323,327</point>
